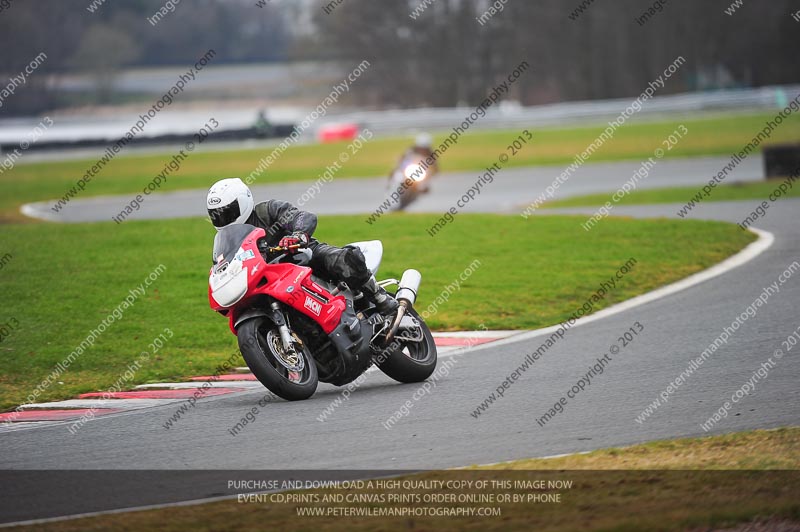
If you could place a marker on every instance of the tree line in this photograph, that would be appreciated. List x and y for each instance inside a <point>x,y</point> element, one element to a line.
<point>431,53</point>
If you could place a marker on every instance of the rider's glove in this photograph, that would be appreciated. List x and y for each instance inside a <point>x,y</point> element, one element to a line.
<point>293,240</point>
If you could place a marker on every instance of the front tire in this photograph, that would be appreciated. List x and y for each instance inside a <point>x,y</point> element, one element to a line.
<point>411,361</point>
<point>259,342</point>
<point>407,199</point>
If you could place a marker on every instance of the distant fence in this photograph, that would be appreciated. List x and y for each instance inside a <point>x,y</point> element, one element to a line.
<point>505,114</point>
<point>508,114</point>
<point>278,131</point>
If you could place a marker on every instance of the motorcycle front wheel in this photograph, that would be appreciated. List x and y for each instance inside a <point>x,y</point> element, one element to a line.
<point>292,376</point>
<point>407,198</point>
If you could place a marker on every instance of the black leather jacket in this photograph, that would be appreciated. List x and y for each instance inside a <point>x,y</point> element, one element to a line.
<point>281,218</point>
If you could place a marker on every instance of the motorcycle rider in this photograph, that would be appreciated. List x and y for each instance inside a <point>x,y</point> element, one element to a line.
<point>421,150</point>
<point>230,201</point>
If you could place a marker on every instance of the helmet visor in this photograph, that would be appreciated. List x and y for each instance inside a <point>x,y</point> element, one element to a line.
<point>222,216</point>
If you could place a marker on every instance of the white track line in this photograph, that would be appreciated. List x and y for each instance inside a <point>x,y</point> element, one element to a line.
<point>102,403</point>
<point>200,384</point>
<point>31,212</point>
<point>765,240</point>
<point>193,502</point>
<point>477,334</point>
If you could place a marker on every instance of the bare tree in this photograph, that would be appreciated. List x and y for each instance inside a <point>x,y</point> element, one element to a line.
<point>102,52</point>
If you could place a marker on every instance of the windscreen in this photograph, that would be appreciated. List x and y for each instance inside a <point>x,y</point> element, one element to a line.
<point>229,239</point>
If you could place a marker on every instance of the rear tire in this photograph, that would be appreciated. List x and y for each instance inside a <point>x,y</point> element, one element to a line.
<point>261,356</point>
<point>414,361</point>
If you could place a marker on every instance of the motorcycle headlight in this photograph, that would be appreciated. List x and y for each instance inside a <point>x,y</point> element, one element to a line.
<point>415,172</point>
<point>229,285</point>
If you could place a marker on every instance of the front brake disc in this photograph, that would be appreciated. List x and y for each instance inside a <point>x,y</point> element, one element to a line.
<point>292,361</point>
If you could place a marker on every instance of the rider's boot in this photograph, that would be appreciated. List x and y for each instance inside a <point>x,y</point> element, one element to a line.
<point>386,304</point>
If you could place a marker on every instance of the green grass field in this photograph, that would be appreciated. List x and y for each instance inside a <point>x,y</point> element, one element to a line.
<point>758,192</point>
<point>58,282</point>
<point>753,450</point>
<point>608,496</point>
<point>63,280</point>
<point>474,151</point>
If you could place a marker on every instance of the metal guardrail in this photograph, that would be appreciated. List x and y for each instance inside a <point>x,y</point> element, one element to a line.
<point>509,114</point>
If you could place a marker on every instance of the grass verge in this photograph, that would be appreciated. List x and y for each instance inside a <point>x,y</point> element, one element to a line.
<point>474,151</point>
<point>757,191</point>
<point>603,497</point>
<point>63,280</point>
<point>753,450</point>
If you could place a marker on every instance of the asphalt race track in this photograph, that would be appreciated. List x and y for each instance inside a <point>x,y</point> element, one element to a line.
<point>511,190</point>
<point>439,431</point>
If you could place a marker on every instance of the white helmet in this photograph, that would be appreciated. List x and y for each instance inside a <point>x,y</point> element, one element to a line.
<point>229,202</point>
<point>423,140</point>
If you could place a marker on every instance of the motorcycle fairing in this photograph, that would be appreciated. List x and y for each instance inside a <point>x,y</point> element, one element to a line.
<point>288,283</point>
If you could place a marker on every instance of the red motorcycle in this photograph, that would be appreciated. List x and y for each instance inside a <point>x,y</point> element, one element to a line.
<point>295,329</point>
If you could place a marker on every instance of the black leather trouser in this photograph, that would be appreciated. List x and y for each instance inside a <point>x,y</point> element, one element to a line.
<point>340,264</point>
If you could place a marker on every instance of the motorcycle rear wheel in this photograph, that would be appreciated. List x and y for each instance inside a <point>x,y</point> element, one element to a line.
<point>411,361</point>
<point>260,345</point>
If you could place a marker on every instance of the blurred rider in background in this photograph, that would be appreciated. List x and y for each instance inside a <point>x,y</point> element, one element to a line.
<point>421,150</point>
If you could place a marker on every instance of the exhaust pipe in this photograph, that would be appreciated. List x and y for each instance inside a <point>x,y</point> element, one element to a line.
<point>406,296</point>
<point>408,287</point>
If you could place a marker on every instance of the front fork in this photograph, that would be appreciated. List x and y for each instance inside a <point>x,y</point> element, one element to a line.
<point>283,329</point>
